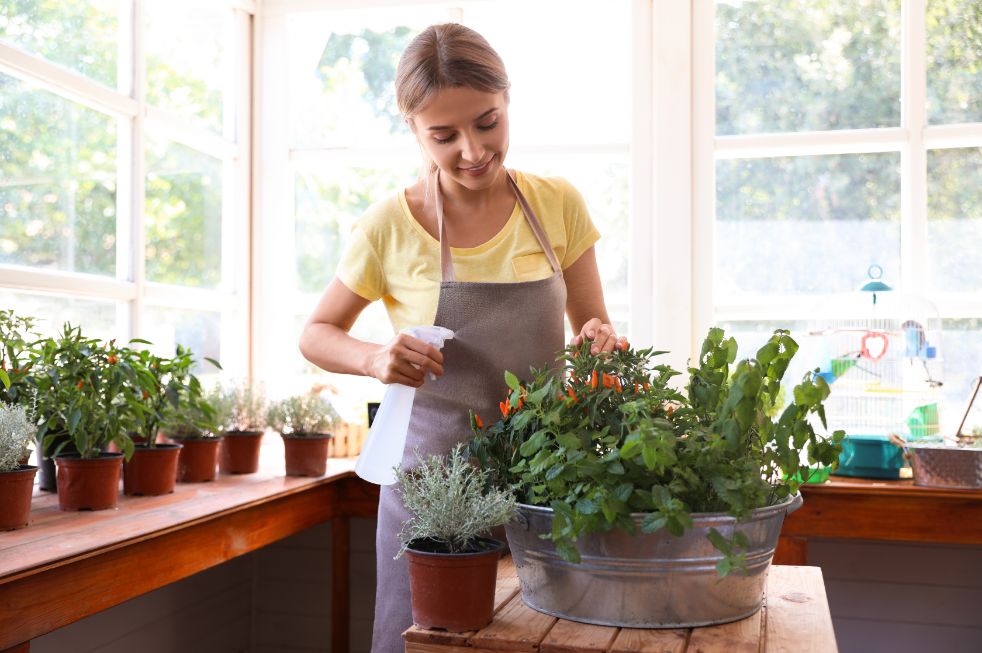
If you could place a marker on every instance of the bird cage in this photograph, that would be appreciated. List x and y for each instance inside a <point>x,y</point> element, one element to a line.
<point>881,352</point>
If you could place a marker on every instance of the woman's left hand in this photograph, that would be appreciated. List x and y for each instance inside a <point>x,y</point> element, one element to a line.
<point>604,337</point>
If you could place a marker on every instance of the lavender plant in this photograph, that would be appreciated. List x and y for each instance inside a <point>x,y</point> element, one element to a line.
<point>451,503</point>
<point>17,432</point>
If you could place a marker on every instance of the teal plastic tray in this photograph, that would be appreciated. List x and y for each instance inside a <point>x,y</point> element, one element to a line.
<point>870,456</point>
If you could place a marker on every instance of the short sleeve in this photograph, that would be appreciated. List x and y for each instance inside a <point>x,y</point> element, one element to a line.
<point>581,234</point>
<point>360,268</point>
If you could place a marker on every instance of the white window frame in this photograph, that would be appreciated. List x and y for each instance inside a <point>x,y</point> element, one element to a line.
<point>129,289</point>
<point>912,139</point>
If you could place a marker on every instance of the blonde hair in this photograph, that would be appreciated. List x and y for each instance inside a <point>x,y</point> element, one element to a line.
<point>446,56</point>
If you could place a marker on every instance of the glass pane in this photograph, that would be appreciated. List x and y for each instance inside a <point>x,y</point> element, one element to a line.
<point>805,224</point>
<point>604,181</point>
<point>962,366</point>
<point>954,61</point>
<point>342,66</point>
<point>81,35</point>
<point>329,200</point>
<point>188,66</point>
<point>57,182</point>
<point>569,63</point>
<point>955,219</point>
<point>183,215</point>
<point>800,66</point>
<point>97,318</point>
<point>200,330</point>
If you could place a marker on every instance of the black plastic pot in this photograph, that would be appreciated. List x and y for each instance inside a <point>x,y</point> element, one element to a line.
<point>47,475</point>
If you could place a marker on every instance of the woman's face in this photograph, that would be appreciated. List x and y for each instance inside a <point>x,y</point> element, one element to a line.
<point>465,132</point>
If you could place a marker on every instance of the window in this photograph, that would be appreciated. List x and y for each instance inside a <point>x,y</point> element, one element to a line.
<point>846,134</point>
<point>334,141</point>
<point>124,155</point>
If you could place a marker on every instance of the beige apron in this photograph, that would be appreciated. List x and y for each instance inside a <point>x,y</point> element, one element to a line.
<point>497,327</point>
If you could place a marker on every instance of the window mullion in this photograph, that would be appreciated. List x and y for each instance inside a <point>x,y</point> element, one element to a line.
<point>138,187</point>
<point>913,175</point>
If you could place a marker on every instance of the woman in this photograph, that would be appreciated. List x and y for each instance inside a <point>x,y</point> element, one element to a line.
<point>494,255</point>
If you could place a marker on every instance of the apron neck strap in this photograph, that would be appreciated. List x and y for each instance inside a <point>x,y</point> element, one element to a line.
<point>446,258</point>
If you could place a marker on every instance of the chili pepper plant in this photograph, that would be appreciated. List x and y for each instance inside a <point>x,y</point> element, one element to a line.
<point>17,332</point>
<point>607,435</point>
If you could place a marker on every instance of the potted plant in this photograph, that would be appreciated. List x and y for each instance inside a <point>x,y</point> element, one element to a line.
<point>17,432</point>
<point>452,566</point>
<point>240,411</point>
<point>85,401</point>
<point>612,464</point>
<point>17,333</point>
<point>304,422</point>
<point>165,386</point>
<point>195,428</point>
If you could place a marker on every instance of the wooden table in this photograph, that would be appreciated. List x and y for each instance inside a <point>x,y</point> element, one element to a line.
<point>897,511</point>
<point>68,565</point>
<point>795,617</point>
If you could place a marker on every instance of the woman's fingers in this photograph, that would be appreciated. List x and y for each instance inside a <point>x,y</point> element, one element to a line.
<point>604,337</point>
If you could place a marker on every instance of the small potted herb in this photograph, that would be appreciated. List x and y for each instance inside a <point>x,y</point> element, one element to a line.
<point>16,335</point>
<point>166,387</point>
<point>85,401</point>
<point>17,433</point>
<point>240,411</point>
<point>193,425</point>
<point>304,422</point>
<point>452,565</point>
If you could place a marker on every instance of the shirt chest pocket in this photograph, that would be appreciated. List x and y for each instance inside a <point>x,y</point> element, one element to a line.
<point>531,267</point>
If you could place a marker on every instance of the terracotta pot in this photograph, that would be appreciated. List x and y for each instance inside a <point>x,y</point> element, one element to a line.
<point>306,454</point>
<point>151,471</point>
<point>16,488</point>
<point>198,462</point>
<point>240,452</point>
<point>88,483</point>
<point>47,475</point>
<point>453,591</point>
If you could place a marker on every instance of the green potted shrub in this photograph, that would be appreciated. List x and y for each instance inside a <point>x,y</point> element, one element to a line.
<point>240,411</point>
<point>452,565</point>
<point>17,333</point>
<point>194,426</point>
<point>166,386</point>
<point>304,422</point>
<point>85,401</point>
<point>613,464</point>
<point>17,432</point>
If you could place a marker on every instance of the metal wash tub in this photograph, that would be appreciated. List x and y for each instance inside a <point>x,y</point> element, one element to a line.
<point>645,581</point>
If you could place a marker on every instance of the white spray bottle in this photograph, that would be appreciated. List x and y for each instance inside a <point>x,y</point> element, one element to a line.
<point>386,440</point>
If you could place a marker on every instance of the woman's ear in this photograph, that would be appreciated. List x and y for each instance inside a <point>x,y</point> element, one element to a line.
<point>409,123</point>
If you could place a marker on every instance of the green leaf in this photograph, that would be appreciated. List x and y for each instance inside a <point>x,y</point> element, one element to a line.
<point>511,380</point>
<point>587,506</point>
<point>5,379</point>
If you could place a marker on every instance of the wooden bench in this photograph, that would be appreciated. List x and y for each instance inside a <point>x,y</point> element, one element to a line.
<point>795,617</point>
<point>888,511</point>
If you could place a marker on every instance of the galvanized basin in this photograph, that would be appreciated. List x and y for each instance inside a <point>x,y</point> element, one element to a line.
<point>645,581</point>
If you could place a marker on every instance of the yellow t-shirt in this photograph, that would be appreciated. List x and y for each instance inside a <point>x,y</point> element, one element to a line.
<point>389,255</point>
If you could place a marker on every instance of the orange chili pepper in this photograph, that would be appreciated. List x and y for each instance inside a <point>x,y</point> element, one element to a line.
<point>146,395</point>
<point>572,394</point>
<point>477,420</point>
<point>647,385</point>
<point>112,359</point>
<point>617,384</point>
<point>669,410</point>
<point>608,380</point>
<point>593,379</point>
<point>505,407</point>
<point>80,385</point>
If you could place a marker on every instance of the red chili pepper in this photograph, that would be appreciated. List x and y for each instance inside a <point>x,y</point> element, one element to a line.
<point>505,407</point>
<point>80,385</point>
<point>146,395</point>
<point>477,420</point>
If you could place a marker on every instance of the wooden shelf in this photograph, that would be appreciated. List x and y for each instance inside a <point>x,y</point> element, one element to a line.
<point>68,565</point>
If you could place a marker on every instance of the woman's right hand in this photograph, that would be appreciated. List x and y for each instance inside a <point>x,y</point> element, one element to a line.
<point>406,360</point>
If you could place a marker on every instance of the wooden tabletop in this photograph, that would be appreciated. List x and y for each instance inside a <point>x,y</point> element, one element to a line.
<point>880,510</point>
<point>68,565</point>
<point>795,617</point>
